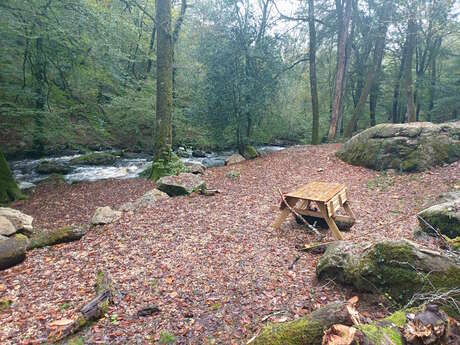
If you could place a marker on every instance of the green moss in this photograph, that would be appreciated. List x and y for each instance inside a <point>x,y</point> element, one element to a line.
<point>49,238</point>
<point>164,167</point>
<point>167,338</point>
<point>412,162</point>
<point>398,318</point>
<point>303,331</point>
<point>76,341</point>
<point>5,303</point>
<point>249,152</point>
<point>379,334</point>
<point>95,158</point>
<point>9,190</point>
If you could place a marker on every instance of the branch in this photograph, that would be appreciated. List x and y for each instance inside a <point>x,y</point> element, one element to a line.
<point>179,21</point>
<point>311,227</point>
<point>291,66</point>
<point>297,19</point>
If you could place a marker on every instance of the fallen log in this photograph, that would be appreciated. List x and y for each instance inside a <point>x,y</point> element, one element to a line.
<point>306,330</point>
<point>48,238</point>
<point>92,311</point>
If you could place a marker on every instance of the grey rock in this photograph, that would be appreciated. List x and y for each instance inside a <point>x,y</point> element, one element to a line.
<point>407,147</point>
<point>105,215</point>
<point>21,222</point>
<point>6,227</point>
<point>234,159</point>
<point>183,184</point>
<point>444,217</point>
<point>195,168</point>
<point>148,199</point>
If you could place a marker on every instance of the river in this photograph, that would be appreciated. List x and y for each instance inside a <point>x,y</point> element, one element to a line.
<point>25,170</point>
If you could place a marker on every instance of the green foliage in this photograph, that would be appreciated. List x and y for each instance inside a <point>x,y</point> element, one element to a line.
<point>167,338</point>
<point>233,174</point>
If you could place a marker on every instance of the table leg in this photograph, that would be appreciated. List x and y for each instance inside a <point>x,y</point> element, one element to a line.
<point>330,222</point>
<point>346,206</point>
<point>282,217</point>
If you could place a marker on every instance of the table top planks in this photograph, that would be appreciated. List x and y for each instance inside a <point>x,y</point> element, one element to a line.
<point>317,191</point>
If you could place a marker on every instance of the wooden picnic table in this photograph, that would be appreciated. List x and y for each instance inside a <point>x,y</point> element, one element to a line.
<point>328,197</point>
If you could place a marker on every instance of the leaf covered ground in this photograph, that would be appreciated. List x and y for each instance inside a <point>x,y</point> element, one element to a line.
<point>214,266</point>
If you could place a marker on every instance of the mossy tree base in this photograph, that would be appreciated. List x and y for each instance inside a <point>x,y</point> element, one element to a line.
<point>166,164</point>
<point>9,190</point>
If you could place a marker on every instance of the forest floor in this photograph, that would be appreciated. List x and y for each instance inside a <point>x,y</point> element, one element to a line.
<point>213,265</point>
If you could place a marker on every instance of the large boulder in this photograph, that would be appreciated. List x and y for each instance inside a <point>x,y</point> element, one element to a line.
<point>12,251</point>
<point>443,217</point>
<point>234,159</point>
<point>95,158</point>
<point>51,237</point>
<point>21,222</point>
<point>148,199</point>
<point>52,167</point>
<point>105,215</point>
<point>408,147</point>
<point>399,268</point>
<point>182,184</point>
<point>6,227</point>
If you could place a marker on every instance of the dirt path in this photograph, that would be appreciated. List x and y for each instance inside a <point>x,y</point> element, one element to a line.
<point>213,265</point>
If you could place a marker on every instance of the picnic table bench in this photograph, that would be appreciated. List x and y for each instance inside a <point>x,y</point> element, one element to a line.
<point>328,197</point>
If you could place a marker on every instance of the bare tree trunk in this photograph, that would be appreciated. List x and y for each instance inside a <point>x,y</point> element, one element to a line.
<point>164,100</point>
<point>394,112</point>
<point>376,63</point>
<point>408,84</point>
<point>341,50</point>
<point>151,45</point>
<point>313,82</point>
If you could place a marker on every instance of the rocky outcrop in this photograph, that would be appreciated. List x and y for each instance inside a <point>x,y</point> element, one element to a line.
<point>105,215</point>
<point>444,217</point>
<point>406,147</point>
<point>96,158</point>
<point>199,153</point>
<point>148,199</point>
<point>52,167</point>
<point>399,268</point>
<point>182,184</point>
<point>20,221</point>
<point>195,168</point>
<point>234,158</point>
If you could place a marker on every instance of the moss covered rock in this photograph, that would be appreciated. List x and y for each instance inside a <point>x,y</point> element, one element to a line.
<point>52,167</point>
<point>398,268</point>
<point>95,158</point>
<point>408,147</point>
<point>182,184</point>
<point>444,217</point>
<point>250,152</point>
<point>164,167</point>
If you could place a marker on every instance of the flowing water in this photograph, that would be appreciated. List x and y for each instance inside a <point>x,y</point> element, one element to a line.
<point>25,170</point>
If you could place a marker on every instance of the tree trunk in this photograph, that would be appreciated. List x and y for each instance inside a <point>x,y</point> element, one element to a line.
<point>432,86</point>
<point>9,190</point>
<point>394,111</point>
<point>151,45</point>
<point>164,99</point>
<point>341,61</point>
<point>306,330</point>
<point>408,84</point>
<point>373,104</point>
<point>376,63</point>
<point>313,81</point>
